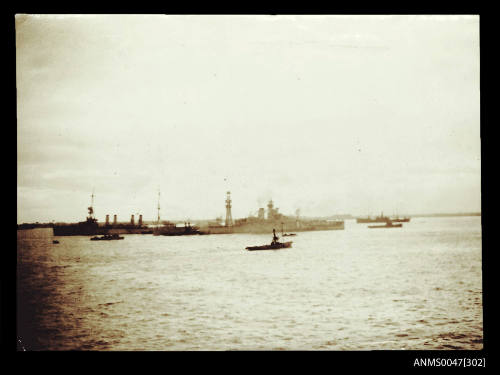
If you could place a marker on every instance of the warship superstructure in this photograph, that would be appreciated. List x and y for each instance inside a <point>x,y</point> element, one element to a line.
<point>265,224</point>
<point>91,227</point>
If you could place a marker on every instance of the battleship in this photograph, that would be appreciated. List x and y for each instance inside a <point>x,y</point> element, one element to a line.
<point>251,224</point>
<point>262,224</point>
<point>91,227</point>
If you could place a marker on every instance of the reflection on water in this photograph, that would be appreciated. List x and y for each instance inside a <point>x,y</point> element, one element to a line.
<point>418,287</point>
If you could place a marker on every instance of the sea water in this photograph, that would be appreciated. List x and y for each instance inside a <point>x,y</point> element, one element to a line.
<point>416,287</point>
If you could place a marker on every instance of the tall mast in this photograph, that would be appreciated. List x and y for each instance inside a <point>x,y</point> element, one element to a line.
<point>229,217</point>
<point>158,206</point>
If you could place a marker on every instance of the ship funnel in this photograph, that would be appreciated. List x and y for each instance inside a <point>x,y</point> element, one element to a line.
<point>107,219</point>
<point>140,220</point>
<point>115,220</point>
<point>132,219</point>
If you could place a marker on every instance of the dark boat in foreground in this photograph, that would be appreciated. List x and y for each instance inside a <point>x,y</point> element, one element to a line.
<point>107,237</point>
<point>274,245</point>
<point>388,224</point>
<point>55,241</point>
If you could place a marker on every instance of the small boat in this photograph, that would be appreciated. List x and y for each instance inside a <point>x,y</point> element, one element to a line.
<point>388,224</point>
<point>401,220</point>
<point>274,245</point>
<point>286,234</point>
<point>107,237</point>
<point>55,241</point>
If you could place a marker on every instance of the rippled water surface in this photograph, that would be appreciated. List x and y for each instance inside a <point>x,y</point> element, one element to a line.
<point>417,287</point>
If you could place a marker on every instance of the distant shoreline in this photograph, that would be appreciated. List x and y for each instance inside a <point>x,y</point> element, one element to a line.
<point>449,215</point>
<point>337,217</point>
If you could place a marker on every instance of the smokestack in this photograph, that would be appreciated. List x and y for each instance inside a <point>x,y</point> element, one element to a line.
<point>115,220</point>
<point>107,219</point>
<point>140,220</point>
<point>132,219</point>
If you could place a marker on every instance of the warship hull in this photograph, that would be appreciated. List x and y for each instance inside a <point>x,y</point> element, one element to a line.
<point>79,229</point>
<point>177,231</point>
<point>267,226</point>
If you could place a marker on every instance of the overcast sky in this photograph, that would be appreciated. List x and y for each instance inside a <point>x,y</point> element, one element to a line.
<point>329,114</point>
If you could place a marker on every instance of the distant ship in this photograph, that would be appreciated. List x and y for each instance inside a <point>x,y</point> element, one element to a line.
<point>388,224</point>
<point>377,219</point>
<point>171,229</point>
<point>401,220</point>
<point>381,219</point>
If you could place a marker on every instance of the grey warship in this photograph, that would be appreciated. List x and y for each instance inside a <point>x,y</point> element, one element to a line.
<point>262,224</point>
<point>89,227</point>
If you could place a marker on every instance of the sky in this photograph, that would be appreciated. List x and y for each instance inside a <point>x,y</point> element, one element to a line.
<point>325,114</point>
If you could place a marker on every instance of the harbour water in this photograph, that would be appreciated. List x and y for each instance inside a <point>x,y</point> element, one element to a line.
<point>416,287</point>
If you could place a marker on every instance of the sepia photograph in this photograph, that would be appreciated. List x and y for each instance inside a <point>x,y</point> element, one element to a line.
<point>248,183</point>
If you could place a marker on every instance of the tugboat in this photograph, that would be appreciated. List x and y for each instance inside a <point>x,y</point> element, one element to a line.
<point>107,237</point>
<point>388,224</point>
<point>274,245</point>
